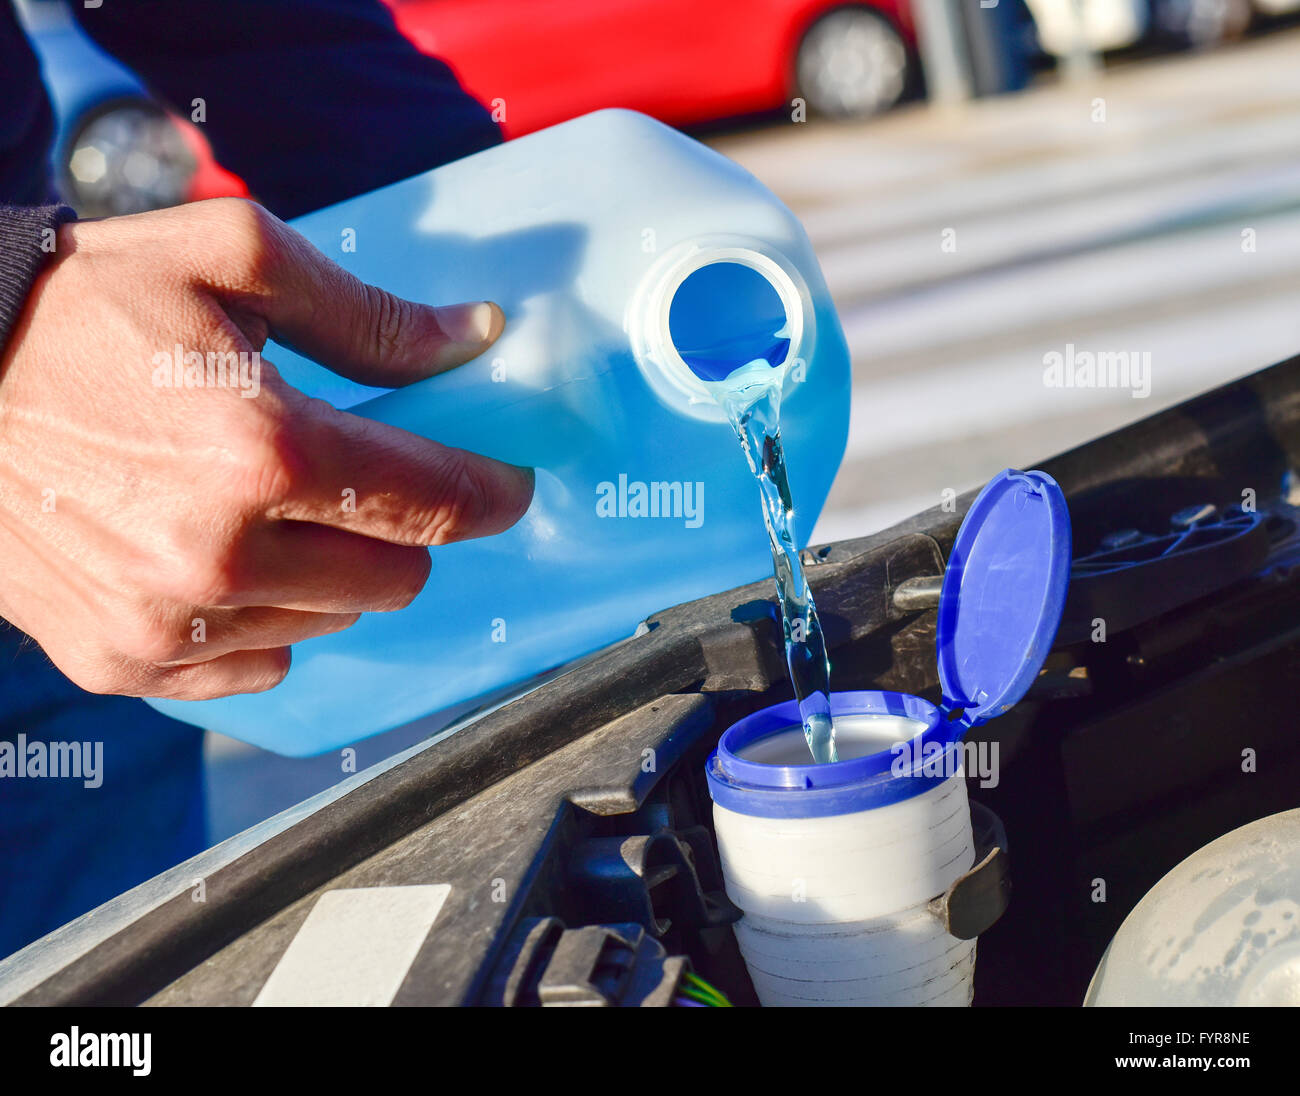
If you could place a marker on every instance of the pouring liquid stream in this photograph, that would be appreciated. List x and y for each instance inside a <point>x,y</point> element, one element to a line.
<point>751,396</point>
<point>732,329</point>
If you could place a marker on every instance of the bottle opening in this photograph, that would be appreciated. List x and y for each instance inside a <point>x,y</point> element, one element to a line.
<point>725,316</point>
<point>717,311</point>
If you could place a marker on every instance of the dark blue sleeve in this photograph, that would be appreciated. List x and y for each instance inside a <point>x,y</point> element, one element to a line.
<point>310,101</point>
<point>26,120</point>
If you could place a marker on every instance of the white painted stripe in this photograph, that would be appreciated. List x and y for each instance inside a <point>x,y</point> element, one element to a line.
<point>1073,290</point>
<point>1002,396</point>
<point>979,397</point>
<point>355,947</point>
<point>1074,172</point>
<point>1056,232</point>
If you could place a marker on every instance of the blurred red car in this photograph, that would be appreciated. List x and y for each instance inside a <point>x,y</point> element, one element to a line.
<point>537,62</point>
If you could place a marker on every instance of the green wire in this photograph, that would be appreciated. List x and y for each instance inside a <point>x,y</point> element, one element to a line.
<point>694,979</point>
<point>715,996</point>
<point>708,990</point>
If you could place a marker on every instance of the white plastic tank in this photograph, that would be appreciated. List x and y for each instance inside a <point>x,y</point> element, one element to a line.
<point>836,888</point>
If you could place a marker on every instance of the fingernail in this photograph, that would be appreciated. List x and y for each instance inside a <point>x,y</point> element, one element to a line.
<point>475,323</point>
<point>525,489</point>
<point>525,480</point>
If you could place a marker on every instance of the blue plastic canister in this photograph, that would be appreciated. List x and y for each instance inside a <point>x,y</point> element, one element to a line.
<point>634,265</point>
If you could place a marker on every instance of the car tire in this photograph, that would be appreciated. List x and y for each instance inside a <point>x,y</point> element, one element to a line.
<point>851,63</point>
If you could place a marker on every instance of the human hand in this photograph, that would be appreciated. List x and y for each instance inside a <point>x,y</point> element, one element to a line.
<point>173,541</point>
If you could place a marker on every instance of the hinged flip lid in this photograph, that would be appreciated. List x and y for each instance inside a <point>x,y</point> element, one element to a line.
<point>1003,593</point>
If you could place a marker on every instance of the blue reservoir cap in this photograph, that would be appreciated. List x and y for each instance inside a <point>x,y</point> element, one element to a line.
<point>1003,593</point>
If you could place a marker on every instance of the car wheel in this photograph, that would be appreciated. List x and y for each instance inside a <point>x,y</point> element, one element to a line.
<point>129,157</point>
<point>851,63</point>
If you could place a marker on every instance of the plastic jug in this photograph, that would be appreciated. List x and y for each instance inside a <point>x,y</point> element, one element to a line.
<point>835,865</point>
<point>635,267</point>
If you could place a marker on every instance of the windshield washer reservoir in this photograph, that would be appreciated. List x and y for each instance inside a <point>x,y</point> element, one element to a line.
<point>835,865</point>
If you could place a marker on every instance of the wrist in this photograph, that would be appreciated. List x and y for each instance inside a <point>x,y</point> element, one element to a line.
<point>28,240</point>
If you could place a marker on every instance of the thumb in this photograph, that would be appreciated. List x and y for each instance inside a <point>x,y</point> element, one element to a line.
<point>363,332</point>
